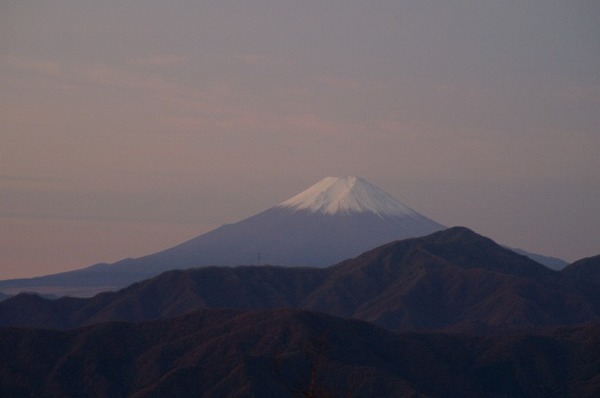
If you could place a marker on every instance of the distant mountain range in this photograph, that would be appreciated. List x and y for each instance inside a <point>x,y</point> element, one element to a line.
<point>450,314</point>
<point>335,219</point>
<point>451,280</point>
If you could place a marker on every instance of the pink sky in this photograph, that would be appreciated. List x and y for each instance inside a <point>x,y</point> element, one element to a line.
<point>128,127</point>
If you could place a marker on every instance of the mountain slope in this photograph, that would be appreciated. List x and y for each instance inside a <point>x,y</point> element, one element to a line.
<point>586,270</point>
<point>3,296</point>
<point>337,218</point>
<point>290,353</point>
<point>553,263</point>
<point>450,280</point>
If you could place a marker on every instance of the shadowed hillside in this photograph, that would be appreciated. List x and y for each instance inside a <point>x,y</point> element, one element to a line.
<point>450,280</point>
<point>290,353</point>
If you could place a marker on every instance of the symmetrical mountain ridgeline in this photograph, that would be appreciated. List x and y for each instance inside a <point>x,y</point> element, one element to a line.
<point>335,219</point>
<point>453,280</point>
<point>292,353</point>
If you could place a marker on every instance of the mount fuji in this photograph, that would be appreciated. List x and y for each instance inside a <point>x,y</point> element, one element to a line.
<point>335,219</point>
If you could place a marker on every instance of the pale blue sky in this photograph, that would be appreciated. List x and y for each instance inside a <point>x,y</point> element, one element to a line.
<point>130,126</point>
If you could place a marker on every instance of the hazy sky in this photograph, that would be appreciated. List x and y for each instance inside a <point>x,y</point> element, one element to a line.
<point>129,126</point>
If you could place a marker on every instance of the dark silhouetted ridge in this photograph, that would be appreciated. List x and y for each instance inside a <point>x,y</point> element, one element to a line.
<point>586,270</point>
<point>450,280</point>
<point>291,353</point>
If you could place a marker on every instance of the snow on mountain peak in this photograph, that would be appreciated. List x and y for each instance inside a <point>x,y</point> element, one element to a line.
<point>334,195</point>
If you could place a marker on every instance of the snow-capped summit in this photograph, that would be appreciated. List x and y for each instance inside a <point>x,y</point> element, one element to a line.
<point>334,195</point>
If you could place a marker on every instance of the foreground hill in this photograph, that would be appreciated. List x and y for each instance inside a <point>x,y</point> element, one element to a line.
<point>586,271</point>
<point>454,280</point>
<point>291,353</point>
